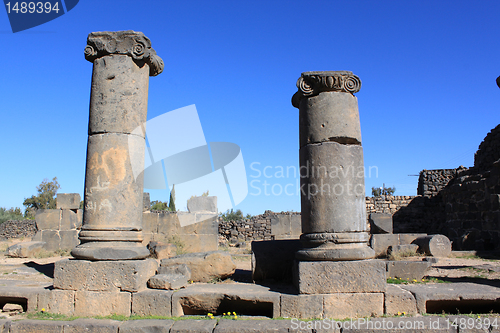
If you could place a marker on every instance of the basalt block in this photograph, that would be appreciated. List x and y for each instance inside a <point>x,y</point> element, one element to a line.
<point>123,275</point>
<point>327,277</point>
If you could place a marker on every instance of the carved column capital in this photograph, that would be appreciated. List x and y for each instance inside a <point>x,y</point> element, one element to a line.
<point>131,43</point>
<point>313,83</point>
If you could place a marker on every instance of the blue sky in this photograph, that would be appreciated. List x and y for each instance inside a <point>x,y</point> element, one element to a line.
<point>428,95</point>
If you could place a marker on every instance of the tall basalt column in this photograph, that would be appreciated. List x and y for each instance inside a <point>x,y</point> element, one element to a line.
<point>332,170</point>
<point>112,220</point>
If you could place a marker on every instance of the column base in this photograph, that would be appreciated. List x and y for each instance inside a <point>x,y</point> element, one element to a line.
<point>335,253</point>
<point>110,251</point>
<point>335,247</point>
<point>328,277</point>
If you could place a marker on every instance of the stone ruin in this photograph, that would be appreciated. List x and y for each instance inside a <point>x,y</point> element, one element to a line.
<point>332,268</point>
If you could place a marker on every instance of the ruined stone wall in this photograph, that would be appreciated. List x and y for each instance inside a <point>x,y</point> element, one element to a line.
<point>472,200</point>
<point>489,151</point>
<point>265,226</point>
<point>197,233</point>
<point>17,229</point>
<point>386,203</point>
<point>430,182</point>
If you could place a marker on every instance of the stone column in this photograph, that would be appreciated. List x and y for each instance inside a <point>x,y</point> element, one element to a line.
<point>332,171</point>
<point>112,220</point>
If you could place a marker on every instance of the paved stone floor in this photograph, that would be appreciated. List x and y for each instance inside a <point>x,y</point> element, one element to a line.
<point>399,324</point>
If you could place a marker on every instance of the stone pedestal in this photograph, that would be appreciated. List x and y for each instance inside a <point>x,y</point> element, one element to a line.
<point>332,171</point>
<point>112,220</point>
<point>329,277</point>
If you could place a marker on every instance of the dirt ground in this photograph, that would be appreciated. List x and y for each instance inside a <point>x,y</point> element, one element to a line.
<point>459,267</point>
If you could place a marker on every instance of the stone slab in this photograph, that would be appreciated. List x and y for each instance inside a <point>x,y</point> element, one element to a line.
<point>69,219</point>
<point>146,202</point>
<point>102,303</point>
<point>381,243</point>
<point>202,204</point>
<point>250,326</point>
<point>353,305</point>
<point>162,250</point>
<point>408,238</point>
<point>92,325</point>
<point>168,223</point>
<point>281,225</point>
<point>146,326</point>
<point>69,239</point>
<point>398,300</point>
<point>52,240</point>
<point>273,260</point>
<point>204,224</point>
<point>152,303</point>
<point>244,299</point>
<point>193,326</point>
<point>57,301</point>
<point>432,297</point>
<point>48,219</point>
<point>204,266</point>
<point>199,243</point>
<point>39,326</point>
<point>25,249</point>
<point>168,281</point>
<point>68,201</point>
<point>120,275</point>
<point>380,223</point>
<point>408,270</point>
<point>149,222</point>
<point>301,306</point>
<point>326,277</point>
<point>404,249</point>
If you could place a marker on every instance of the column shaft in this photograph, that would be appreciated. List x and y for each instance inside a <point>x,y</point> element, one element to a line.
<point>112,220</point>
<point>332,171</point>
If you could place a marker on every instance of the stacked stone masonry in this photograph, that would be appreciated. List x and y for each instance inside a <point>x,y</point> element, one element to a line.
<point>59,227</point>
<point>266,226</point>
<point>430,182</point>
<point>17,229</point>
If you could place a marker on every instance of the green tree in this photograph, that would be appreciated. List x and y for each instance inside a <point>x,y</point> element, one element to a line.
<point>10,214</point>
<point>159,205</point>
<point>378,191</point>
<point>171,204</point>
<point>46,198</point>
<point>232,215</point>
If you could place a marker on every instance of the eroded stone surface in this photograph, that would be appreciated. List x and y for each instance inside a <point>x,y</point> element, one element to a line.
<point>152,303</point>
<point>167,281</point>
<point>353,305</point>
<point>326,277</point>
<point>398,300</point>
<point>124,275</point>
<point>204,266</point>
<point>25,249</point>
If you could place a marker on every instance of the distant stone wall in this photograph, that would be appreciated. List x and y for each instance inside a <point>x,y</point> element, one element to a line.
<point>17,229</point>
<point>386,203</point>
<point>265,226</point>
<point>430,182</point>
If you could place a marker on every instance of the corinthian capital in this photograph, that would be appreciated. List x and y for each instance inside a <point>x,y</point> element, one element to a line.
<point>131,43</point>
<point>313,83</point>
